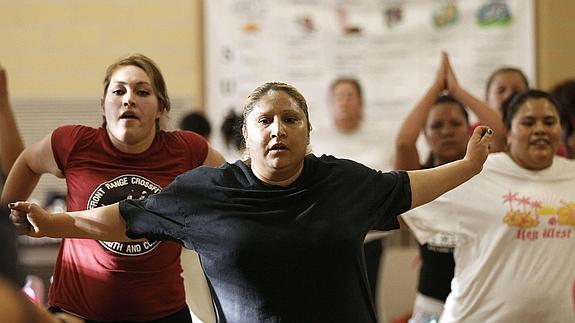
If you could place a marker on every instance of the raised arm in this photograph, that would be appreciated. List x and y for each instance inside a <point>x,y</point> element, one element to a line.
<point>35,160</point>
<point>406,154</point>
<point>102,223</point>
<point>10,141</point>
<point>429,184</point>
<point>487,116</point>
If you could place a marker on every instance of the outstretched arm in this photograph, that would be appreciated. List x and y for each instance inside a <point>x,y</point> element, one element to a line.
<point>103,223</point>
<point>429,184</point>
<point>10,141</point>
<point>406,154</point>
<point>488,117</point>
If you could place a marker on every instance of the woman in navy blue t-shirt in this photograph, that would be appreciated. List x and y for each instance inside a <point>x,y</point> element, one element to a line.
<point>279,234</point>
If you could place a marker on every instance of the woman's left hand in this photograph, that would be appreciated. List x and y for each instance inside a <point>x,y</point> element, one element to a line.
<point>478,147</point>
<point>29,219</point>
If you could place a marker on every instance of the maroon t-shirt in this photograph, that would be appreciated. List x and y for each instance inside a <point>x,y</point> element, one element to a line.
<point>102,280</point>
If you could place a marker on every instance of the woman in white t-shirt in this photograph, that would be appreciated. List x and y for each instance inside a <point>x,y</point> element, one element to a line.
<point>441,117</point>
<point>514,225</point>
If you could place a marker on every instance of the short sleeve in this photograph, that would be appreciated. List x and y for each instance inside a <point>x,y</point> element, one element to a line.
<point>157,217</point>
<point>198,145</point>
<point>368,199</point>
<point>64,140</point>
<point>396,199</point>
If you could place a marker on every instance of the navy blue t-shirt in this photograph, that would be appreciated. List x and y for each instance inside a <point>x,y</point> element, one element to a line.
<point>278,254</point>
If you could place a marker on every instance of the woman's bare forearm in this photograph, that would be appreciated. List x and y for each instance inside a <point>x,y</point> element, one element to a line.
<point>103,223</point>
<point>429,184</point>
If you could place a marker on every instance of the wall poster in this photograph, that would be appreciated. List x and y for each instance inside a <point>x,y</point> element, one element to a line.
<point>391,46</point>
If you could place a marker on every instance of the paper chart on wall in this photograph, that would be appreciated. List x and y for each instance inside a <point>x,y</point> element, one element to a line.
<point>392,47</point>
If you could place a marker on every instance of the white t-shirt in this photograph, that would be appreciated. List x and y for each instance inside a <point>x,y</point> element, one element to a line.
<point>515,256</point>
<point>366,145</point>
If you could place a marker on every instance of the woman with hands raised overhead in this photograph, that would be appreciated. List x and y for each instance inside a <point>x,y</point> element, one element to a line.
<point>512,224</point>
<point>440,114</point>
<point>443,119</point>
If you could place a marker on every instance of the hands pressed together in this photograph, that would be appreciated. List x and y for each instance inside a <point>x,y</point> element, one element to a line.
<point>481,141</point>
<point>445,79</point>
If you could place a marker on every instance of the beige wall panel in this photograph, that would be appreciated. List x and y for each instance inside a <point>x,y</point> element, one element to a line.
<point>60,48</point>
<point>555,41</point>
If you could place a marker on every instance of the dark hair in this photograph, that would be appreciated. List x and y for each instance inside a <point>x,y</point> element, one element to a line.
<point>440,100</point>
<point>196,122</point>
<point>564,93</point>
<point>449,99</point>
<point>505,105</point>
<point>350,80</point>
<point>504,70</point>
<point>518,99</point>
<point>232,130</point>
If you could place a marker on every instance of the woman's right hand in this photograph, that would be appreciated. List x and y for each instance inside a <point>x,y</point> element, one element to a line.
<point>29,219</point>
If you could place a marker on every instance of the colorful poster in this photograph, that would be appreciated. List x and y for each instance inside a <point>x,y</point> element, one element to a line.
<point>392,47</point>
